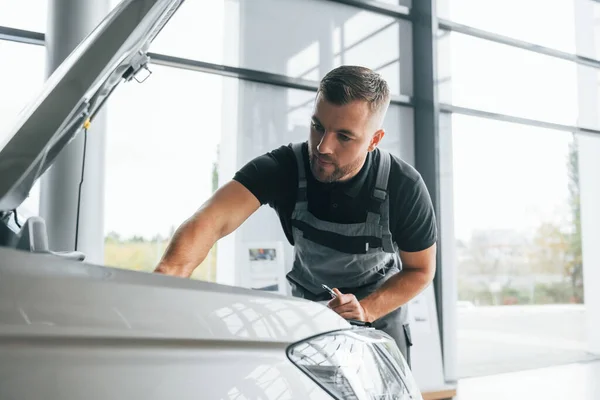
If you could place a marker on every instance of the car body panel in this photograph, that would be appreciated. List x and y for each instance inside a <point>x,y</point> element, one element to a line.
<point>101,370</point>
<point>44,295</point>
<point>77,330</point>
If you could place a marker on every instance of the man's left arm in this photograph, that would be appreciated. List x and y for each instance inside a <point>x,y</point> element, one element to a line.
<point>418,269</point>
<point>416,235</point>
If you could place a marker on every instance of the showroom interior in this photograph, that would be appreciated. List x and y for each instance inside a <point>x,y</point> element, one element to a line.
<point>495,103</point>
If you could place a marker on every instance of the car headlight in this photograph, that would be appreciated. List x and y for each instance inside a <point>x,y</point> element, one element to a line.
<point>356,364</point>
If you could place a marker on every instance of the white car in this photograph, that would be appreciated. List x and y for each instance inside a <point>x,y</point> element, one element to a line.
<point>72,330</point>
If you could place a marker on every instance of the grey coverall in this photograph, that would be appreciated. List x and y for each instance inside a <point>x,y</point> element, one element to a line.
<point>374,260</point>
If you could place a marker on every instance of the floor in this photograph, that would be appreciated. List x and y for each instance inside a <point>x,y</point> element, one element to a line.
<point>525,353</point>
<point>580,381</point>
<point>495,340</point>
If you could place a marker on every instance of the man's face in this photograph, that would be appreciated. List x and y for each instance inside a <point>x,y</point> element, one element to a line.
<point>340,138</point>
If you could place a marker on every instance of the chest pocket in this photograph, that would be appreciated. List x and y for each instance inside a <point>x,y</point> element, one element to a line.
<point>357,238</point>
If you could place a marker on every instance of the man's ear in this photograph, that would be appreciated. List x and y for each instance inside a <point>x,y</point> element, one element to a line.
<point>377,136</point>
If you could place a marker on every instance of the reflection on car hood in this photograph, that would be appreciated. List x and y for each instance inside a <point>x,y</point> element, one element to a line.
<point>41,295</point>
<point>113,52</point>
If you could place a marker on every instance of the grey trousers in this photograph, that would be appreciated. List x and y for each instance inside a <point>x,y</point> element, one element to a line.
<point>393,326</point>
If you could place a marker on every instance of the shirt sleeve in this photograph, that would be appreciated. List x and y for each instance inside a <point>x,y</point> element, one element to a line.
<point>417,229</point>
<point>270,176</point>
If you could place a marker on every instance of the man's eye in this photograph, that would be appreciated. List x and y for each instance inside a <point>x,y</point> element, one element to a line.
<point>317,127</point>
<point>344,138</point>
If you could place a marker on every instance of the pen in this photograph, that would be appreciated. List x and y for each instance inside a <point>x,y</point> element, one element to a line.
<point>331,292</point>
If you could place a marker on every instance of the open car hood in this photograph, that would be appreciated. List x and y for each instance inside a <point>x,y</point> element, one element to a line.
<point>115,51</point>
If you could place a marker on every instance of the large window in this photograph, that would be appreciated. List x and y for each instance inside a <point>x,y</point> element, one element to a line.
<point>22,69</point>
<point>516,187</point>
<point>518,246</point>
<point>298,38</point>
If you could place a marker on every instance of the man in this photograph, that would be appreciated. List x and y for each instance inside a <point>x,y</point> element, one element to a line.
<point>361,221</point>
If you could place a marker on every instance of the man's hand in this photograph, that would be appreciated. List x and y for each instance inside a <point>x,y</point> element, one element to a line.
<point>220,215</point>
<point>418,269</point>
<point>348,306</point>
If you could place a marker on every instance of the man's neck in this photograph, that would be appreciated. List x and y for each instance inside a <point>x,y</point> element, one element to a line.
<point>351,175</point>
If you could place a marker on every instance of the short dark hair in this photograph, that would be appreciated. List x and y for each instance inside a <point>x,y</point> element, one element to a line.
<point>347,83</point>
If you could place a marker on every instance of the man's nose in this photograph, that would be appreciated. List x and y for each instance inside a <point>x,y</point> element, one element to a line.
<point>327,143</point>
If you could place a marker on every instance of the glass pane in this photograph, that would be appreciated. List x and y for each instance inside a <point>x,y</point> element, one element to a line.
<point>588,28</point>
<point>589,97</point>
<point>272,36</point>
<point>21,77</point>
<point>399,133</point>
<point>375,51</point>
<point>406,3</point>
<point>29,15</point>
<point>550,24</point>
<point>508,80</point>
<point>567,25</point>
<point>162,143</point>
<point>518,247</point>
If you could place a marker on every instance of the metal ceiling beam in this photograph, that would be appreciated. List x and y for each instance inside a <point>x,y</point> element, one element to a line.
<point>21,36</point>
<point>449,108</point>
<point>250,75</point>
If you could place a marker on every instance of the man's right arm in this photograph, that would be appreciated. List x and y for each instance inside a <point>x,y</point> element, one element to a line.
<point>224,212</point>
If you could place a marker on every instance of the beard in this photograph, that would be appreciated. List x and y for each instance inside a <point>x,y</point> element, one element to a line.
<point>332,171</point>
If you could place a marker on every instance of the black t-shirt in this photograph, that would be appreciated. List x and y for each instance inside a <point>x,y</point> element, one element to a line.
<point>273,179</point>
